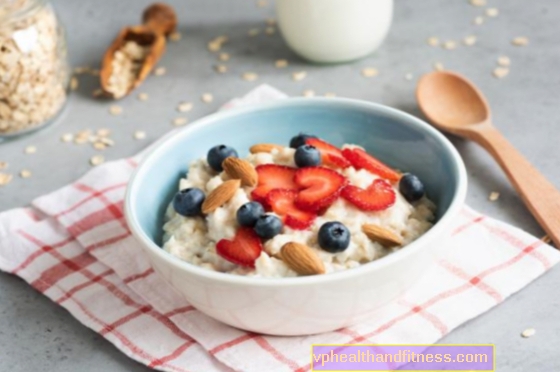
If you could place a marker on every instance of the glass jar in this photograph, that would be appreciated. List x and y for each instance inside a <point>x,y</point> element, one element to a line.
<point>34,70</point>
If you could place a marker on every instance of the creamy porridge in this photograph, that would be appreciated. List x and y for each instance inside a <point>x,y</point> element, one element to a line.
<point>284,212</point>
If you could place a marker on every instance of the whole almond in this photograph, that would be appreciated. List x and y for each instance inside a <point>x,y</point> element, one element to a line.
<point>264,147</point>
<point>381,235</point>
<point>220,195</point>
<point>301,259</point>
<point>240,169</point>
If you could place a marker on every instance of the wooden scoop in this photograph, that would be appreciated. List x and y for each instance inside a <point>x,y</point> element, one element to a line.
<point>159,20</point>
<point>455,105</point>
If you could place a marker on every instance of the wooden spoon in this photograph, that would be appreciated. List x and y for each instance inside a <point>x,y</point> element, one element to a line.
<point>159,20</point>
<point>455,105</point>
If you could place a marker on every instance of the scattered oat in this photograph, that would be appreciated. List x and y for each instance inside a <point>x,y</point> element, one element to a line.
<point>67,137</point>
<point>253,32</point>
<point>492,12</point>
<point>160,71</point>
<point>215,44</point>
<point>25,173</point>
<point>520,41</point>
<point>298,76</point>
<point>115,110</point>
<point>370,72</point>
<point>221,69</point>
<point>74,83</point>
<point>438,66</point>
<point>3,164</point>
<point>281,63</point>
<point>82,136</point>
<point>469,40</point>
<point>494,195</point>
<point>330,94</point>
<point>262,3</point>
<point>528,332</point>
<point>179,121</point>
<point>175,36</point>
<point>501,72</point>
<point>546,239</point>
<point>433,41</point>
<point>185,106</point>
<point>270,31</point>
<point>207,98</point>
<point>96,160</point>
<point>5,178</point>
<point>478,2</point>
<point>408,76</point>
<point>143,96</point>
<point>249,76</point>
<point>271,21</point>
<point>103,132</point>
<point>30,150</point>
<point>139,135</point>
<point>97,93</point>
<point>504,61</point>
<point>449,45</point>
<point>99,146</point>
<point>223,57</point>
<point>308,93</point>
<point>478,20</point>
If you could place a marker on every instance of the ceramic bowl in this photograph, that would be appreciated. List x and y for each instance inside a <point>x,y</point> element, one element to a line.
<point>312,304</point>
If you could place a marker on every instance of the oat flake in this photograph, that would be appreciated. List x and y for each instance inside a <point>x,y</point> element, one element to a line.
<point>253,32</point>
<point>249,76</point>
<point>179,121</point>
<point>438,66</point>
<point>469,40</point>
<point>30,150</point>
<point>74,83</point>
<point>528,332</point>
<point>224,57</point>
<point>281,63</point>
<point>478,2</point>
<point>433,41</point>
<point>221,69</point>
<point>478,20</point>
<point>330,94</point>
<point>5,178</point>
<point>494,195</point>
<point>160,71</point>
<point>25,173</point>
<point>520,41</point>
<point>449,45</point>
<point>492,12</point>
<point>504,61</point>
<point>96,160</point>
<point>298,76</point>
<point>139,135</point>
<point>115,110</point>
<point>370,72</point>
<point>3,164</point>
<point>175,36</point>
<point>408,76</point>
<point>67,137</point>
<point>270,31</point>
<point>501,72</point>
<point>185,107</point>
<point>308,93</point>
<point>143,96</point>
<point>207,98</point>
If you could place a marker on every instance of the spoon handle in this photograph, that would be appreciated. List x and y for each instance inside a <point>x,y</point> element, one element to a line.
<point>538,194</point>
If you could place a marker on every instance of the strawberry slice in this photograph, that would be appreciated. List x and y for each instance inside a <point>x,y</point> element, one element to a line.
<point>320,188</point>
<point>377,197</point>
<point>282,203</point>
<point>243,250</point>
<point>272,176</point>
<point>330,155</point>
<point>362,160</point>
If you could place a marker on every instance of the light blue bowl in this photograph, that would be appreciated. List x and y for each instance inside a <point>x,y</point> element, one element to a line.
<point>398,139</point>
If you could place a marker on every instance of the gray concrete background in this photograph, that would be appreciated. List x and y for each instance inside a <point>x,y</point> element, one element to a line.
<point>38,335</point>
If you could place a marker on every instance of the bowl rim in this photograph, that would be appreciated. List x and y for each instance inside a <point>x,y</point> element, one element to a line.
<point>138,233</point>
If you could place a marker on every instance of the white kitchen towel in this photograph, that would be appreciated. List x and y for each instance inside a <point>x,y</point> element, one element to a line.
<point>73,245</point>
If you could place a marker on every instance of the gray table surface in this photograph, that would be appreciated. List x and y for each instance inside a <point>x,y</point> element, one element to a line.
<point>36,334</point>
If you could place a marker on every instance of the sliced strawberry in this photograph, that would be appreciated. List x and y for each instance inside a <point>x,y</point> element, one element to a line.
<point>377,197</point>
<point>272,176</point>
<point>243,250</point>
<point>282,203</point>
<point>331,155</point>
<point>320,188</point>
<point>362,160</point>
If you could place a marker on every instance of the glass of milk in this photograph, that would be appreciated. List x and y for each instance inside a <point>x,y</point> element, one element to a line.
<point>331,31</point>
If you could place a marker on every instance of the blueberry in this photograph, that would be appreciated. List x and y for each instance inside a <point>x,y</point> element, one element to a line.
<point>334,237</point>
<point>307,156</point>
<point>300,139</point>
<point>268,226</point>
<point>249,213</point>
<point>411,187</point>
<point>218,154</point>
<point>188,202</point>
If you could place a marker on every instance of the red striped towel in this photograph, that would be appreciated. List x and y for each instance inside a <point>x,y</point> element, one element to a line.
<point>73,245</point>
